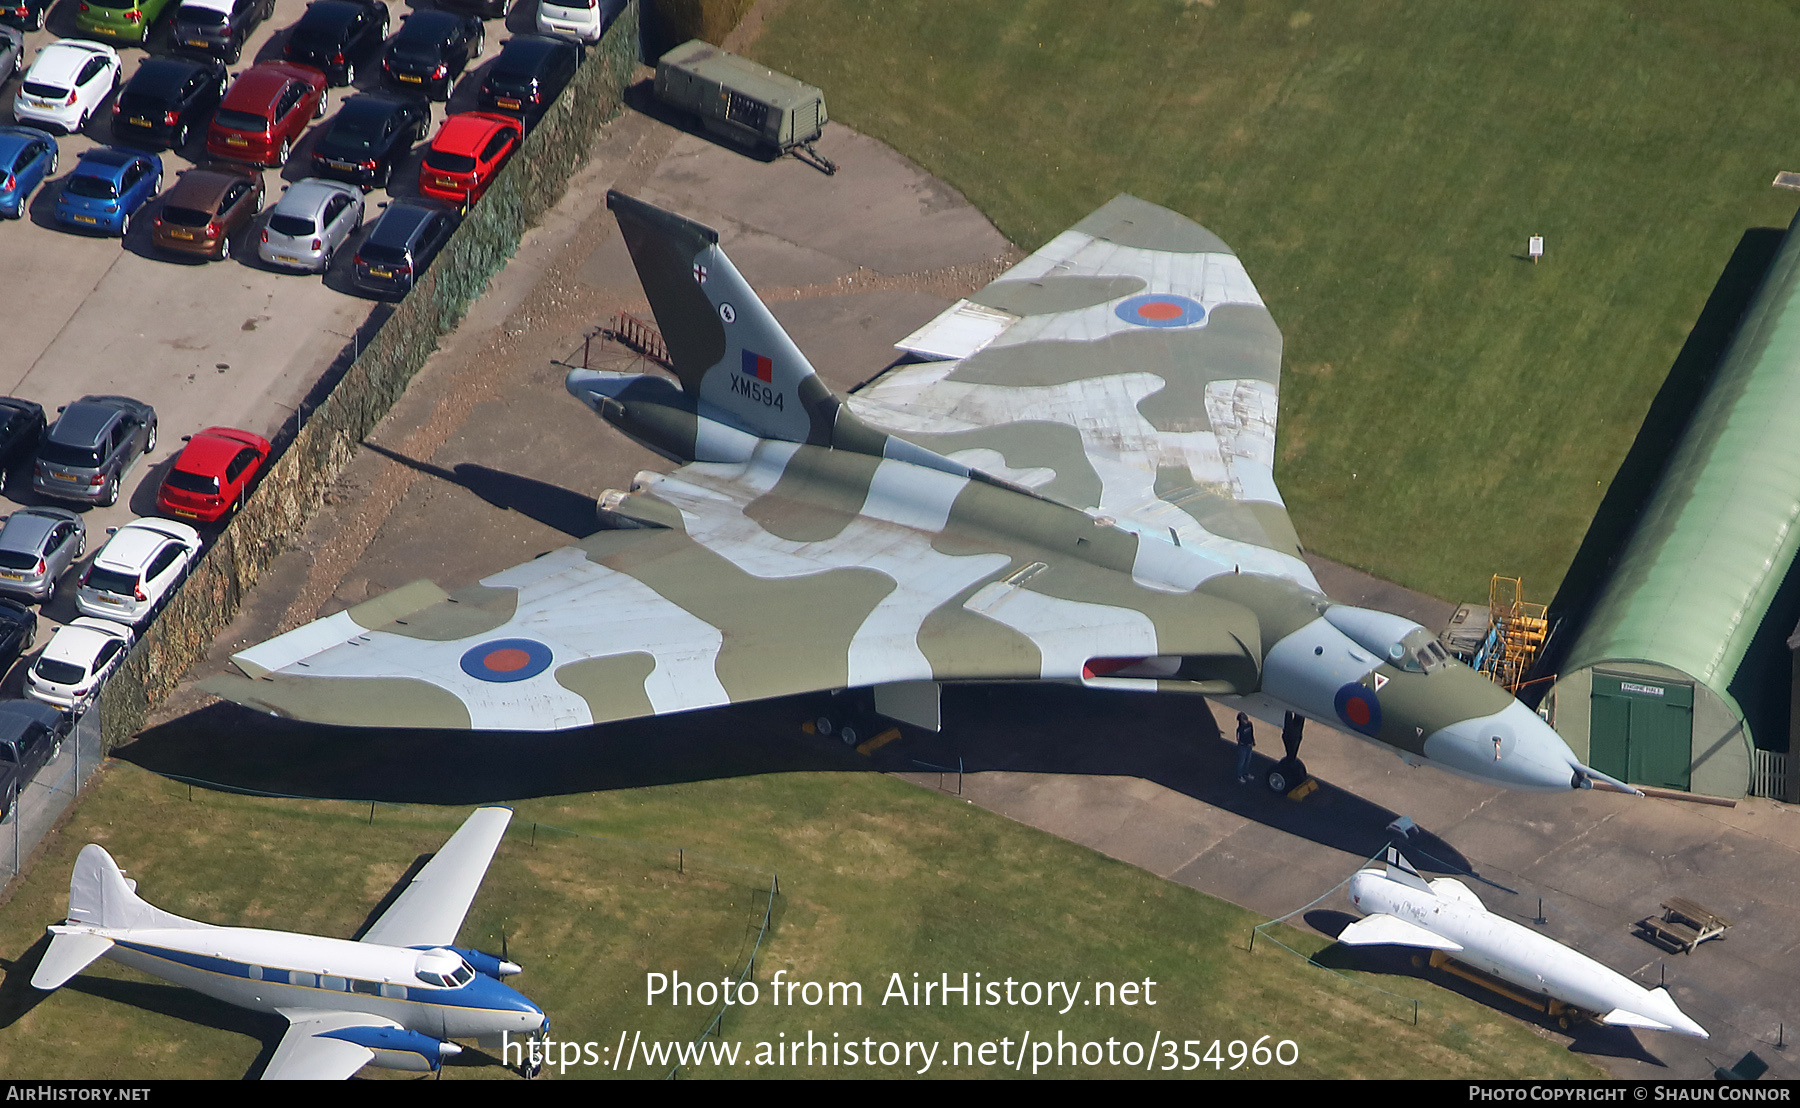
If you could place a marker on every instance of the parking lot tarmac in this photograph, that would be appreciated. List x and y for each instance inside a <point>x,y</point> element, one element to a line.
<point>486,462</point>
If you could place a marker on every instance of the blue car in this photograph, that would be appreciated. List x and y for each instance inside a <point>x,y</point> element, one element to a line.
<point>27,160</point>
<point>108,185</point>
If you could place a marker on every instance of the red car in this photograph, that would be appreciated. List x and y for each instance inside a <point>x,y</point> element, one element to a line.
<point>212,473</point>
<point>264,112</point>
<point>467,154</point>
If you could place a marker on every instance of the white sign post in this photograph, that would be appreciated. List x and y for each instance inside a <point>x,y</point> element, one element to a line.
<point>1536,249</point>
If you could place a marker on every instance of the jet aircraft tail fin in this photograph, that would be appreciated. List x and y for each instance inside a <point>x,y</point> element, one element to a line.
<point>1400,870</point>
<point>100,895</point>
<point>728,351</point>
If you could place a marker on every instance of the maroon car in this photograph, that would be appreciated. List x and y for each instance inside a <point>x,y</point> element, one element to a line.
<point>264,113</point>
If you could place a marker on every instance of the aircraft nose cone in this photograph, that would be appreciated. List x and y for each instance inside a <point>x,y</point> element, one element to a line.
<point>1512,747</point>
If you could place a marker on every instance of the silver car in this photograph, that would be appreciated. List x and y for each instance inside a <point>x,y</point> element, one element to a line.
<point>12,52</point>
<point>309,223</point>
<point>92,445</point>
<point>37,546</point>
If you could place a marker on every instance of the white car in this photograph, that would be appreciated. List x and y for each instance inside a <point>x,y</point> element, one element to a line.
<point>586,20</point>
<point>136,569</point>
<point>75,661</point>
<point>65,85</point>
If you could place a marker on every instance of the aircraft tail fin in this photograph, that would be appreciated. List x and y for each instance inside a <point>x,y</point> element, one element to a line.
<point>1400,870</point>
<point>70,952</point>
<point>100,895</point>
<point>728,351</point>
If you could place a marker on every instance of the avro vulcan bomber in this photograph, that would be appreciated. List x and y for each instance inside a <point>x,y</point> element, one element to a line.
<point>1072,482</point>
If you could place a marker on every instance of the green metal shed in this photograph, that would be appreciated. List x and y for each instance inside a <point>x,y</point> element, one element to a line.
<point>1651,690</point>
<point>739,99</point>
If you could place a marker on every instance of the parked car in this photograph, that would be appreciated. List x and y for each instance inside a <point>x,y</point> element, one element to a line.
<point>31,736</point>
<point>529,74</point>
<point>467,154</point>
<point>309,224</point>
<point>137,569</point>
<point>37,546</point>
<point>212,474</point>
<point>432,50</point>
<point>91,446</point>
<point>368,137</point>
<point>28,158</point>
<point>217,28</point>
<point>586,20</point>
<point>166,98</point>
<point>27,15</point>
<point>65,85</point>
<point>205,208</point>
<point>78,657</point>
<point>108,186</point>
<point>264,113</point>
<point>401,245</point>
<point>125,20</point>
<point>21,429</point>
<point>12,52</point>
<point>333,35</point>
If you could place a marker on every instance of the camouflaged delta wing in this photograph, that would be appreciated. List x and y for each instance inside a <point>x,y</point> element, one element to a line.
<point>1075,485</point>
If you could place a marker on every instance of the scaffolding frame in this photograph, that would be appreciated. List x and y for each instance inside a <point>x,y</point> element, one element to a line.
<point>1516,634</point>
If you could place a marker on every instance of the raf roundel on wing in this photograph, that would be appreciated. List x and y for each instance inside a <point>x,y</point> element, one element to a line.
<point>503,660</point>
<point>1161,309</point>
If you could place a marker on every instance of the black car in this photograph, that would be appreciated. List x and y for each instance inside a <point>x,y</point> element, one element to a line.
<point>333,34</point>
<point>486,9</point>
<point>368,136</point>
<point>167,98</point>
<point>21,427</point>
<point>25,14</point>
<point>431,51</point>
<point>529,73</point>
<point>405,239</point>
<point>31,733</point>
<point>217,28</point>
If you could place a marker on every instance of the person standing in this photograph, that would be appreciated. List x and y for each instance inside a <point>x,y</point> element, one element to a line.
<point>1246,744</point>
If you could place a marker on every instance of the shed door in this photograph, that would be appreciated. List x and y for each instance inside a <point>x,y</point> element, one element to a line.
<point>1642,730</point>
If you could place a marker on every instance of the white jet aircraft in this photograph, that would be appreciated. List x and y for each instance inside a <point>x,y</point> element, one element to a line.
<point>1403,909</point>
<point>393,999</point>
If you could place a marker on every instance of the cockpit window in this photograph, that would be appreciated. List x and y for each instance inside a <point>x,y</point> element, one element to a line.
<point>463,974</point>
<point>454,979</point>
<point>1418,652</point>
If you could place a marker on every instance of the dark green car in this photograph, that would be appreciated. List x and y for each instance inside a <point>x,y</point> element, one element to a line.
<point>126,20</point>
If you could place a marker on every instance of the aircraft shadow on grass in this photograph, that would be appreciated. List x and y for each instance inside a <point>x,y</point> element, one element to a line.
<point>1397,961</point>
<point>1171,741</point>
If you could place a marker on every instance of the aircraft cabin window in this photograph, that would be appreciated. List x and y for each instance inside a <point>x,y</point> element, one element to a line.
<point>337,984</point>
<point>394,992</point>
<point>299,977</point>
<point>368,988</point>
<point>254,973</point>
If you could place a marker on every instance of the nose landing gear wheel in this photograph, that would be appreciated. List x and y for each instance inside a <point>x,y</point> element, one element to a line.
<point>1286,776</point>
<point>534,1056</point>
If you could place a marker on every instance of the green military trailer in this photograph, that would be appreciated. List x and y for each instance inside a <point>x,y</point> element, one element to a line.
<point>741,101</point>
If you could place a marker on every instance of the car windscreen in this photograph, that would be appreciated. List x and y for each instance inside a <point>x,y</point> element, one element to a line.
<point>95,187</point>
<point>199,16</point>
<point>313,40</point>
<point>357,130</point>
<point>60,673</point>
<point>383,255</point>
<point>43,91</point>
<point>293,226</point>
<point>17,559</point>
<point>449,163</point>
<point>186,217</point>
<point>191,482</point>
<point>77,457</point>
<point>240,121</point>
<point>111,580</point>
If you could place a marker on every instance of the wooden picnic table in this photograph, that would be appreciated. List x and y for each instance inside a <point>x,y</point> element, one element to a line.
<point>1684,925</point>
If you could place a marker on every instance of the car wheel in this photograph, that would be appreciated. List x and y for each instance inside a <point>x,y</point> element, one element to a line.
<point>350,73</point>
<point>319,112</point>
<point>234,52</point>
<point>12,801</point>
<point>330,256</point>
<point>37,21</point>
<point>125,225</point>
<point>281,156</point>
<point>224,253</point>
<point>150,443</point>
<point>180,138</point>
<point>480,44</point>
<point>55,157</point>
<point>111,495</point>
<point>82,126</point>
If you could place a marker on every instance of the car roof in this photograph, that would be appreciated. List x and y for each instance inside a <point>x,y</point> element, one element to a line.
<point>467,132</point>
<point>13,139</point>
<point>202,189</point>
<point>212,449</point>
<point>371,105</point>
<point>257,87</point>
<point>65,57</point>
<point>430,24</point>
<point>80,640</point>
<point>133,545</point>
<point>162,76</point>
<point>108,156</point>
<point>529,51</point>
<point>25,531</point>
<point>309,194</point>
<point>27,711</point>
<point>400,223</point>
<point>223,7</point>
<point>322,15</point>
<point>82,423</point>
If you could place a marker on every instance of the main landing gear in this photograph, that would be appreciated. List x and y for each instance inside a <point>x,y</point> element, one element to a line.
<point>1287,774</point>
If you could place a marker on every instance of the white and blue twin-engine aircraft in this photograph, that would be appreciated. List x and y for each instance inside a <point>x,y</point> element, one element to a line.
<point>393,999</point>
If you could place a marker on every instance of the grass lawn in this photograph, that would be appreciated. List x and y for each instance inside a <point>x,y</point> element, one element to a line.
<point>877,877</point>
<point>1449,410</point>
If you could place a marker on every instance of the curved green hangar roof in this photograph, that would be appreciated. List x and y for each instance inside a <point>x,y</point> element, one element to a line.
<point>1717,539</point>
